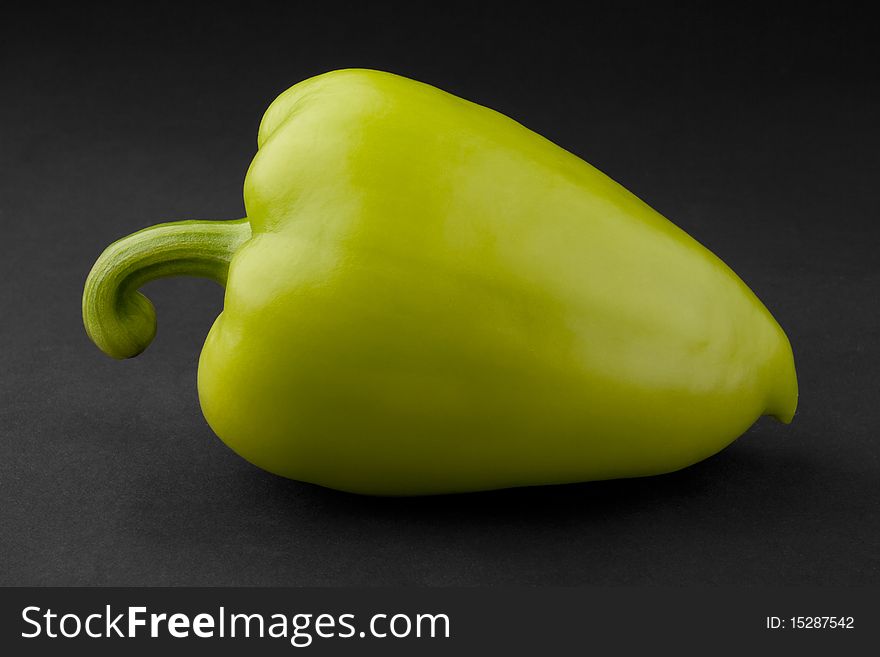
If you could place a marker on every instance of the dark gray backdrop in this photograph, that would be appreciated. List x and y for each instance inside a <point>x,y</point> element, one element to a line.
<point>754,131</point>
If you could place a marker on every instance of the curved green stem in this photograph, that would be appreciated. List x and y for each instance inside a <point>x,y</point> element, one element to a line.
<point>121,320</point>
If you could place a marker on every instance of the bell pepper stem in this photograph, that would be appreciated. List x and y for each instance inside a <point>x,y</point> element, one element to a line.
<point>120,320</point>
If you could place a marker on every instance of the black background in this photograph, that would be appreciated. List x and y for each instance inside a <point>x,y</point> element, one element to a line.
<point>753,129</point>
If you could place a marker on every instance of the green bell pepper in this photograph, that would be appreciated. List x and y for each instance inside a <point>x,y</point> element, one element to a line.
<point>427,297</point>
